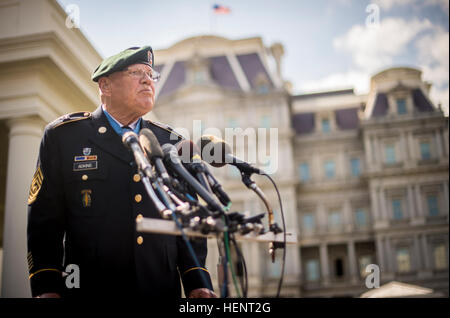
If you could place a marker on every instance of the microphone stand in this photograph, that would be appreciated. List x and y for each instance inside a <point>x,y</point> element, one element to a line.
<point>273,226</point>
<point>162,209</point>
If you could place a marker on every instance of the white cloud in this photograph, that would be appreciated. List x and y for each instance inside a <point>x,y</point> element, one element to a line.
<point>375,47</point>
<point>389,4</point>
<point>433,57</point>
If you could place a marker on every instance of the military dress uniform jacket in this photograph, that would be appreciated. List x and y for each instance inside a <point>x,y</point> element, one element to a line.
<point>84,200</point>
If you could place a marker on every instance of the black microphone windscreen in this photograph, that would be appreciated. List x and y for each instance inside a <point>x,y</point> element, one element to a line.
<point>129,137</point>
<point>188,151</point>
<point>150,143</point>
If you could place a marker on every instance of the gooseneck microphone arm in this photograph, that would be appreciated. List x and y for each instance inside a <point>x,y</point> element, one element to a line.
<point>130,140</point>
<point>172,158</point>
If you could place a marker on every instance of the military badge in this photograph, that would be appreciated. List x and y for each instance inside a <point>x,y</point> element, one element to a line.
<point>86,198</point>
<point>87,151</point>
<point>36,185</point>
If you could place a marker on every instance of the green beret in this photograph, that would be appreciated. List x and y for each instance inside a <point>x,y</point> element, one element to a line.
<point>118,62</point>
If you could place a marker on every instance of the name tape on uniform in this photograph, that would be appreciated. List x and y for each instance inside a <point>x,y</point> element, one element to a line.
<point>89,165</point>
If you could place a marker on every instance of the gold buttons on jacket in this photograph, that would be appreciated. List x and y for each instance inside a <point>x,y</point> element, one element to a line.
<point>140,240</point>
<point>102,130</point>
<point>136,178</point>
<point>138,198</point>
<point>84,177</point>
<point>139,217</point>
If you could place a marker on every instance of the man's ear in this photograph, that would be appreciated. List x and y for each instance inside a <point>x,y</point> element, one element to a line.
<point>104,84</point>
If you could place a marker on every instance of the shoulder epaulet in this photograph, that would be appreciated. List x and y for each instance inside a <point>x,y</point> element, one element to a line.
<point>167,128</point>
<point>69,118</point>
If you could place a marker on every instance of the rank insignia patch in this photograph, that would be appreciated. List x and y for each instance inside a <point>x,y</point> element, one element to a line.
<point>36,185</point>
<point>86,198</point>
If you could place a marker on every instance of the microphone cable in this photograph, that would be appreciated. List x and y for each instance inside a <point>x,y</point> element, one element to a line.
<point>284,235</point>
<point>241,260</point>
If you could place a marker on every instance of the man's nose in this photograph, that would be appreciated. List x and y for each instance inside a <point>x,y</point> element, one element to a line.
<point>146,79</point>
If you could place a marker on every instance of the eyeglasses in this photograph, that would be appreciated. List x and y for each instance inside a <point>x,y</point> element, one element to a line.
<point>138,74</point>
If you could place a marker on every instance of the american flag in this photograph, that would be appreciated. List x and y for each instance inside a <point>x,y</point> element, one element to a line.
<point>219,9</point>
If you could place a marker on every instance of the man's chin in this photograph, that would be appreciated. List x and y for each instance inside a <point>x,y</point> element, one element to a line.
<point>146,108</point>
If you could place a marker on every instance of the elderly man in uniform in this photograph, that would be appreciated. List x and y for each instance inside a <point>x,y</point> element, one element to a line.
<point>86,196</point>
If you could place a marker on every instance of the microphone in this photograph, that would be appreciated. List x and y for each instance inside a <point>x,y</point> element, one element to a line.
<point>190,156</point>
<point>217,153</point>
<point>171,158</point>
<point>130,140</point>
<point>154,152</point>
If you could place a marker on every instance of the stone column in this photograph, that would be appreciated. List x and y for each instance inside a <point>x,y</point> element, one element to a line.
<point>24,138</point>
<point>374,204</point>
<point>352,261</point>
<point>446,200</point>
<point>419,206</point>
<point>377,151</point>
<point>411,205</point>
<point>439,150</point>
<point>445,138</point>
<point>348,219</point>
<point>390,255</point>
<point>368,151</point>
<point>418,256</point>
<point>324,264</point>
<point>381,260</point>
<point>383,207</point>
<point>425,252</point>
<point>321,219</point>
<point>412,148</point>
<point>404,146</point>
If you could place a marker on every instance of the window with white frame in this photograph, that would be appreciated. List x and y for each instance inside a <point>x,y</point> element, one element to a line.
<point>397,208</point>
<point>432,204</point>
<point>304,172</point>
<point>390,153</point>
<point>329,169</point>
<point>325,125</point>
<point>364,261</point>
<point>312,270</point>
<point>361,220</point>
<point>403,258</point>
<point>401,106</point>
<point>355,167</point>
<point>308,222</point>
<point>425,149</point>
<point>440,256</point>
<point>334,220</point>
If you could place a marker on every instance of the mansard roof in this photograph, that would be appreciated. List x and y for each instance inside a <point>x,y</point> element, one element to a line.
<point>420,102</point>
<point>221,72</point>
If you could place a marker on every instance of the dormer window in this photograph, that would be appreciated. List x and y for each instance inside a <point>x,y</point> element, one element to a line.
<point>325,124</point>
<point>198,70</point>
<point>200,76</point>
<point>401,106</point>
<point>261,83</point>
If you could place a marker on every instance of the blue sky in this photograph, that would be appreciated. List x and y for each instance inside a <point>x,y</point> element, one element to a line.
<point>328,44</point>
